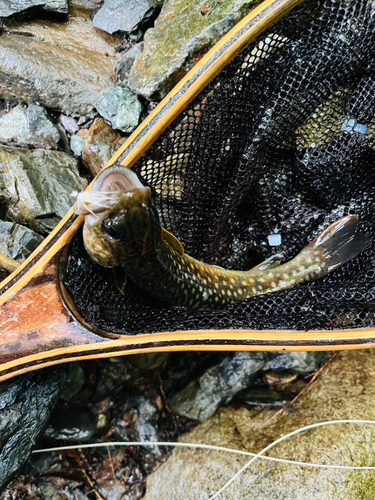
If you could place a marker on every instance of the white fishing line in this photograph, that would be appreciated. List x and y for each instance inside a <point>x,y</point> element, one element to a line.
<point>287,436</point>
<point>230,450</point>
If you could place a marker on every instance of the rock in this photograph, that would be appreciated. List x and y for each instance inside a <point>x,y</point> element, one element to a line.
<point>301,362</point>
<point>69,124</point>
<point>99,145</point>
<point>76,34</point>
<point>120,107</point>
<point>10,7</point>
<point>346,389</point>
<point>218,385</point>
<point>181,35</point>
<point>38,187</point>
<point>123,65</point>
<point>115,15</point>
<point>148,360</point>
<point>29,127</point>
<point>76,144</point>
<point>113,491</point>
<point>17,242</point>
<point>146,424</point>
<point>57,77</point>
<point>71,423</point>
<point>25,406</point>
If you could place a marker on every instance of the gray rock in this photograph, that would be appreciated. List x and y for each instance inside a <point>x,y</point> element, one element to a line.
<point>17,242</point>
<point>120,107</point>
<point>113,491</point>
<point>123,65</point>
<point>300,362</point>
<point>69,124</point>
<point>38,187</point>
<point>10,7</point>
<point>218,385</point>
<point>67,79</point>
<point>146,423</point>
<point>117,15</point>
<point>181,34</point>
<point>28,127</point>
<point>76,144</point>
<point>71,423</point>
<point>25,406</point>
<point>43,133</point>
<point>345,390</point>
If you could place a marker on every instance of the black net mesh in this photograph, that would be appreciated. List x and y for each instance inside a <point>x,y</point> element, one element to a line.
<point>282,140</point>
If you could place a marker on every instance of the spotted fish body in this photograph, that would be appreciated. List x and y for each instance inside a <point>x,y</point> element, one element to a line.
<point>122,228</point>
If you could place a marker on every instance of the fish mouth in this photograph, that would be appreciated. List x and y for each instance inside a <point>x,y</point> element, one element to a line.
<point>106,190</point>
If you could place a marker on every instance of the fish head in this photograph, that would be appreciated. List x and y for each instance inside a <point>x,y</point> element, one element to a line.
<point>121,224</point>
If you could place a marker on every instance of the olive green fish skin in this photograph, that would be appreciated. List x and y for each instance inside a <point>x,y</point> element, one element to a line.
<point>130,236</point>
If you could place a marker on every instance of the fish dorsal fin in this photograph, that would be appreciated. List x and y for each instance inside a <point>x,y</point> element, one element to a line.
<point>173,242</point>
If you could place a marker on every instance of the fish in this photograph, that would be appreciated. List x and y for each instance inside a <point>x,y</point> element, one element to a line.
<point>122,230</point>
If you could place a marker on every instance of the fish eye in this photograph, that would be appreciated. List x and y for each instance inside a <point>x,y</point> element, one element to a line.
<point>155,212</point>
<point>110,230</point>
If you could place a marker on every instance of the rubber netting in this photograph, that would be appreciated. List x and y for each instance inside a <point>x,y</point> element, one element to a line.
<point>281,141</point>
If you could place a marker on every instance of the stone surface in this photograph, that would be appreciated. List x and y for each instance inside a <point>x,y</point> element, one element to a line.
<point>180,36</point>
<point>29,127</point>
<point>11,7</point>
<point>54,76</point>
<point>25,406</point>
<point>71,423</point>
<point>146,423</point>
<point>17,242</point>
<point>300,362</point>
<point>345,390</point>
<point>38,187</point>
<point>76,144</point>
<point>218,385</point>
<point>76,33</point>
<point>99,145</point>
<point>116,15</point>
<point>69,124</point>
<point>120,107</point>
<point>123,65</point>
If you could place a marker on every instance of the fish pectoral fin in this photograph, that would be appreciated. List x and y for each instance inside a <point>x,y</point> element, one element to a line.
<point>120,279</point>
<point>270,263</point>
<point>173,242</point>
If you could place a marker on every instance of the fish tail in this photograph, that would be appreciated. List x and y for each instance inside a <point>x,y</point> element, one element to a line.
<point>338,243</point>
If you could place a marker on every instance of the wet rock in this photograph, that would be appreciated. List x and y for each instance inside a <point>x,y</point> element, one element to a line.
<point>71,423</point>
<point>11,7</point>
<point>69,124</point>
<point>120,107</point>
<point>38,187</point>
<point>29,127</point>
<point>76,34</point>
<point>123,65</point>
<point>17,242</point>
<point>76,144</point>
<point>218,385</point>
<point>301,362</point>
<point>61,78</point>
<point>148,361</point>
<point>25,406</point>
<point>115,15</point>
<point>181,35</point>
<point>346,389</point>
<point>99,145</point>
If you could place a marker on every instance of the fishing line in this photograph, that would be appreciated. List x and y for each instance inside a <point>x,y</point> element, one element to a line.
<point>255,456</point>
